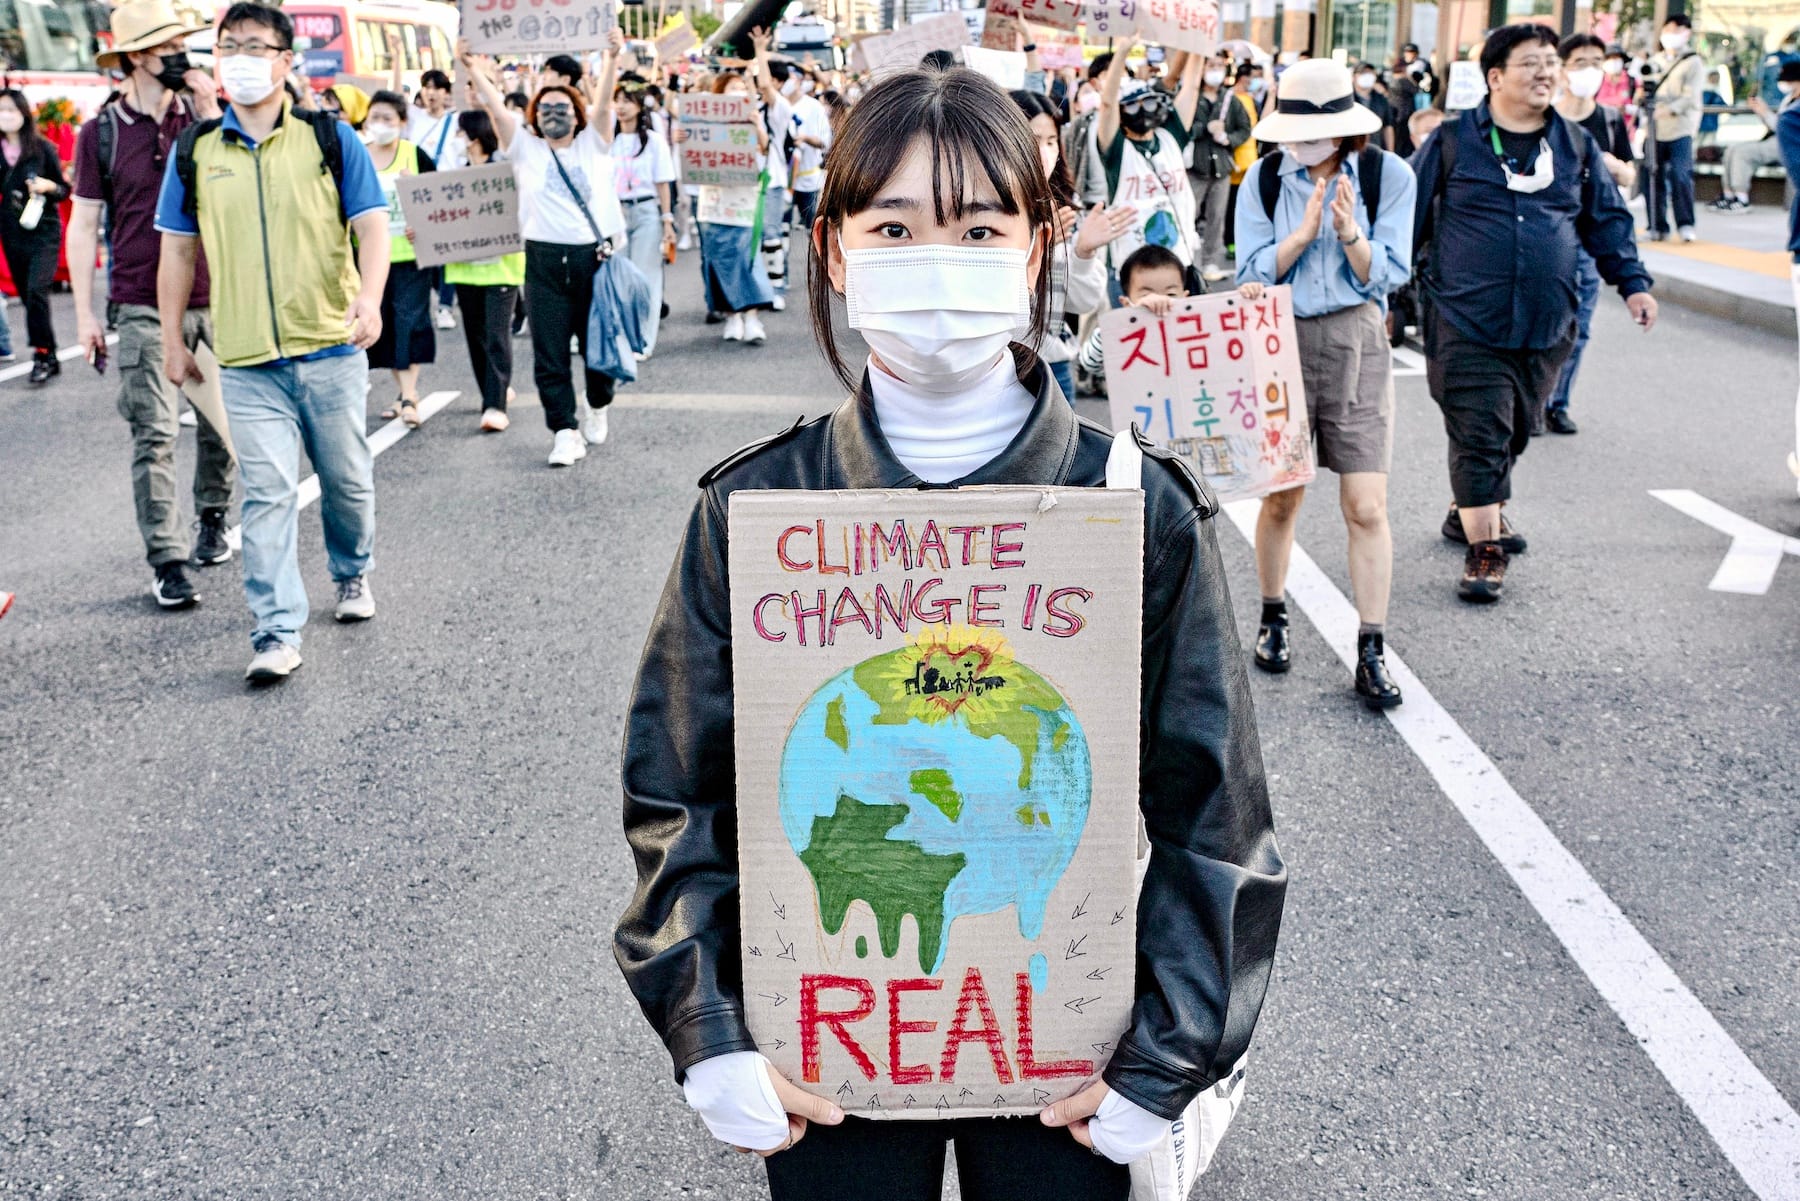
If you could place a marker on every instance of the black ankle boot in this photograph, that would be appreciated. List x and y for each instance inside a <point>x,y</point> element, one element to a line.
<point>1373,683</point>
<point>1272,651</point>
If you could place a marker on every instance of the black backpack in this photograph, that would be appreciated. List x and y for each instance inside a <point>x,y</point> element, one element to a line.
<point>1368,171</point>
<point>325,132</point>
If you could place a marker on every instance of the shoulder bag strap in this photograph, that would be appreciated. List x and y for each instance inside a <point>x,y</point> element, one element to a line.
<point>602,247</point>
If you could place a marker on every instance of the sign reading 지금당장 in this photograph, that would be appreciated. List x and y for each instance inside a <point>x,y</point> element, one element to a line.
<point>937,789</point>
<point>537,26</point>
<point>462,216</point>
<point>1218,382</point>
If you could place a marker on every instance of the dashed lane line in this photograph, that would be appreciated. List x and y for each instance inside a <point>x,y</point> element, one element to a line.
<point>1747,1117</point>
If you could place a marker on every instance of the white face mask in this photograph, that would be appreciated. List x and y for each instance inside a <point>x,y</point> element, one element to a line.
<point>1585,81</point>
<point>1214,78</point>
<point>247,78</point>
<point>1311,154</point>
<point>1674,40</point>
<point>11,120</point>
<point>791,88</point>
<point>1786,89</point>
<point>939,317</point>
<point>1365,81</point>
<point>1543,172</point>
<point>1612,66</point>
<point>382,135</point>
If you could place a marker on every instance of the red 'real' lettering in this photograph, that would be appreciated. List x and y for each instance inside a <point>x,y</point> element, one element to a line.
<point>1029,1068</point>
<point>811,1018</point>
<point>899,1072</point>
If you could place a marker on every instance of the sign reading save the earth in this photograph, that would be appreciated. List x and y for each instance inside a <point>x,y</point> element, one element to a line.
<point>937,722</point>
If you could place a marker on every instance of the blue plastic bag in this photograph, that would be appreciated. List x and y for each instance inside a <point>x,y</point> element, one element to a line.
<point>616,319</point>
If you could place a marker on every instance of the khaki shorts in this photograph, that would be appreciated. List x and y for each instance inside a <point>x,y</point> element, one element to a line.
<point>1349,374</point>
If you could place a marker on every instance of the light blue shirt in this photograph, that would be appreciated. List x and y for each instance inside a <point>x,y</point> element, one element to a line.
<point>1321,277</point>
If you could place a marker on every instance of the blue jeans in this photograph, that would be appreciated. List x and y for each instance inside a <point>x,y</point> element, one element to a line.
<point>275,411</point>
<point>643,231</point>
<point>1587,285</point>
<point>5,330</point>
<point>1065,378</point>
<point>1674,185</point>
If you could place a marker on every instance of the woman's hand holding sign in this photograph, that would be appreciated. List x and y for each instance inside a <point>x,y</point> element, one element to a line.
<point>747,1104</point>
<point>1107,1124</point>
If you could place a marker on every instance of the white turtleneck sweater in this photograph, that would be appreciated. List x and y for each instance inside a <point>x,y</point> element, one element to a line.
<point>941,437</point>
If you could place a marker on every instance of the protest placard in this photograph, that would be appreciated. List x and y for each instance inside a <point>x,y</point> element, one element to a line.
<point>1002,27</point>
<point>1176,24</point>
<point>676,39</point>
<point>904,47</point>
<point>1057,14</point>
<point>1057,50</point>
<point>937,719</point>
<point>1005,67</point>
<point>537,26</point>
<point>461,216</point>
<point>720,149</point>
<point>1218,382</point>
<point>1466,87</point>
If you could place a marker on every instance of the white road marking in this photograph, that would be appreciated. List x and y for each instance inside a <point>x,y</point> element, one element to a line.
<point>1753,1125</point>
<point>63,355</point>
<point>394,430</point>
<point>1408,361</point>
<point>1755,552</point>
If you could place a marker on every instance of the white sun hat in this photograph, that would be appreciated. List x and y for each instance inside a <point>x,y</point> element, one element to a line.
<point>1315,99</point>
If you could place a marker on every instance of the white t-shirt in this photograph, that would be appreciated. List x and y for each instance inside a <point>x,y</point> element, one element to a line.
<point>547,210</point>
<point>778,120</point>
<point>438,137</point>
<point>638,166</point>
<point>811,119</point>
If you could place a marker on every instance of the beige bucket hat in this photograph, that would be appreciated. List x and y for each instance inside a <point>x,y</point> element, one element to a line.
<point>144,24</point>
<point>1315,99</point>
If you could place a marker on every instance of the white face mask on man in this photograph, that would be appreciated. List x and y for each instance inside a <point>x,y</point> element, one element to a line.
<point>247,78</point>
<point>1585,81</point>
<point>1311,154</point>
<point>1214,78</point>
<point>938,317</point>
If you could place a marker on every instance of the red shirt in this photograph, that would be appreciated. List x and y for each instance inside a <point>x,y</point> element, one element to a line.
<point>141,151</point>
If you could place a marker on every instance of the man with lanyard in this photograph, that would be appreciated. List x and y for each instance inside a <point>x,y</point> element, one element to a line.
<point>119,161</point>
<point>433,130</point>
<point>1512,193</point>
<point>1141,142</point>
<point>275,194</point>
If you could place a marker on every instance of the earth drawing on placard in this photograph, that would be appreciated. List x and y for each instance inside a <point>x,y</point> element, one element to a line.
<point>942,779</point>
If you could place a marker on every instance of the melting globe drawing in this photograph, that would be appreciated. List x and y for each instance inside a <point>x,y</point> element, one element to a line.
<point>942,779</point>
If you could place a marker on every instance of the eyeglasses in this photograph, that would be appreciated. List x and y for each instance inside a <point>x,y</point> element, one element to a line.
<point>1532,66</point>
<point>259,49</point>
<point>556,108</point>
<point>1144,104</point>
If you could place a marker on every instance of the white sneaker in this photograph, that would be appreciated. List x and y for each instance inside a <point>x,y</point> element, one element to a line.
<point>734,328</point>
<point>354,600</point>
<point>754,333</point>
<point>593,426</point>
<point>1687,233</point>
<point>567,448</point>
<point>446,319</point>
<point>494,420</point>
<point>275,660</point>
<point>188,418</point>
<point>1212,273</point>
<point>684,242</point>
<point>780,303</point>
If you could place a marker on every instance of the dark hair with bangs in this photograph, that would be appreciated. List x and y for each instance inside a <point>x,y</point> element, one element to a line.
<point>969,123</point>
<point>393,101</point>
<point>1500,44</point>
<point>1062,180</point>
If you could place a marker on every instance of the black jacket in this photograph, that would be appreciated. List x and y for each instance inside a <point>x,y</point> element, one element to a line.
<point>37,160</point>
<point>1210,908</point>
<point>1211,160</point>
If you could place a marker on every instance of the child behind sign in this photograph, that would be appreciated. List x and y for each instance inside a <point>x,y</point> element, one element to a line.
<point>1153,279</point>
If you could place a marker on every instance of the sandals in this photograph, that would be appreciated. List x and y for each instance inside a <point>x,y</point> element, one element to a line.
<point>405,409</point>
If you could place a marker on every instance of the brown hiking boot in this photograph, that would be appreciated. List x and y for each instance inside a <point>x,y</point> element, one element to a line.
<point>1484,573</point>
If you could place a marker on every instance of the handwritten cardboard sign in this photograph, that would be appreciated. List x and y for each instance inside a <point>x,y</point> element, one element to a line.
<point>1059,50</point>
<point>1057,14</point>
<point>677,39</point>
<point>1218,382</point>
<point>937,783</point>
<point>537,26</point>
<point>721,144</point>
<point>462,216</point>
<point>1467,88</point>
<point>1177,24</point>
<point>904,47</point>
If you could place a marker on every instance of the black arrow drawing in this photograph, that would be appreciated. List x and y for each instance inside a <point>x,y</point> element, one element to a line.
<point>787,948</point>
<point>756,952</point>
<point>780,909</point>
<point>964,1093</point>
<point>1117,918</point>
<point>777,1044</point>
<point>875,1102</point>
<point>908,1103</point>
<point>999,1100</point>
<point>1040,1097</point>
<point>1101,1048</point>
<point>1081,909</point>
<point>1075,951</point>
<point>943,1103</point>
<point>1078,1003</point>
<point>776,1001</point>
<point>1098,973</point>
<point>844,1090</point>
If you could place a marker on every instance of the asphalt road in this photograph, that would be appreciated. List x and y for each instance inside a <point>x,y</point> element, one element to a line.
<point>350,937</point>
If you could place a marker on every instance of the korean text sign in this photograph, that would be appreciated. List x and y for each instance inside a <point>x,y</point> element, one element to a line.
<point>1218,382</point>
<point>721,141</point>
<point>904,47</point>
<point>937,789</point>
<point>537,26</point>
<point>462,216</point>
<point>1177,24</point>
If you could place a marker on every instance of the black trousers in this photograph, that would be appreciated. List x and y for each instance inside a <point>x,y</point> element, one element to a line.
<point>487,312</point>
<point>559,287</point>
<point>997,1159</point>
<point>1490,396</point>
<point>31,258</point>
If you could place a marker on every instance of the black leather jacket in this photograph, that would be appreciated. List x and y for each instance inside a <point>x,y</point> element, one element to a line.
<point>1210,908</point>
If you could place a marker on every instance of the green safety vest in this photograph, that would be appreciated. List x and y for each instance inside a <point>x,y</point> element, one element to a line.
<point>503,270</point>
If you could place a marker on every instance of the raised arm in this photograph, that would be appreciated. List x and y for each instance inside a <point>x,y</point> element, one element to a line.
<point>1106,121</point>
<point>1188,98</point>
<point>600,118</point>
<point>396,73</point>
<point>760,75</point>
<point>478,67</point>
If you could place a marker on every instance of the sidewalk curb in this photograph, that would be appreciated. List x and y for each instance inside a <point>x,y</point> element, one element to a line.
<point>1732,306</point>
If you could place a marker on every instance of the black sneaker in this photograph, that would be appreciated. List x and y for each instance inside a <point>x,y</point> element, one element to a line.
<point>210,546</point>
<point>173,589</point>
<point>1511,540</point>
<point>44,367</point>
<point>1558,421</point>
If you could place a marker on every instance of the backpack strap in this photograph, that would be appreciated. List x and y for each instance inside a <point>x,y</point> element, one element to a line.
<point>106,149</point>
<point>1369,171</point>
<point>331,147</point>
<point>184,162</point>
<point>1268,180</point>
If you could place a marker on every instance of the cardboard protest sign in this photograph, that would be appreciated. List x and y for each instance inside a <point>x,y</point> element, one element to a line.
<point>461,216</point>
<point>937,789</point>
<point>1467,89</point>
<point>677,39</point>
<point>1218,382</point>
<point>721,141</point>
<point>1057,14</point>
<point>1005,67</point>
<point>1176,24</point>
<point>904,47</point>
<point>1002,25</point>
<point>1059,50</point>
<point>537,26</point>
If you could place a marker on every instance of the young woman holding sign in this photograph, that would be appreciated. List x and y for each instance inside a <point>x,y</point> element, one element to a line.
<point>569,213</point>
<point>407,338</point>
<point>937,214</point>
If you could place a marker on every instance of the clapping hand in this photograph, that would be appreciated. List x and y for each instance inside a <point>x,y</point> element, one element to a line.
<point>1315,212</point>
<point>1343,210</point>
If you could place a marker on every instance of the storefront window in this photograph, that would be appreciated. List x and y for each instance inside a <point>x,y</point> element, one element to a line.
<point>1363,30</point>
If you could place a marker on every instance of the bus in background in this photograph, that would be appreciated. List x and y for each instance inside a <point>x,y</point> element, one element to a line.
<point>47,50</point>
<point>349,41</point>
